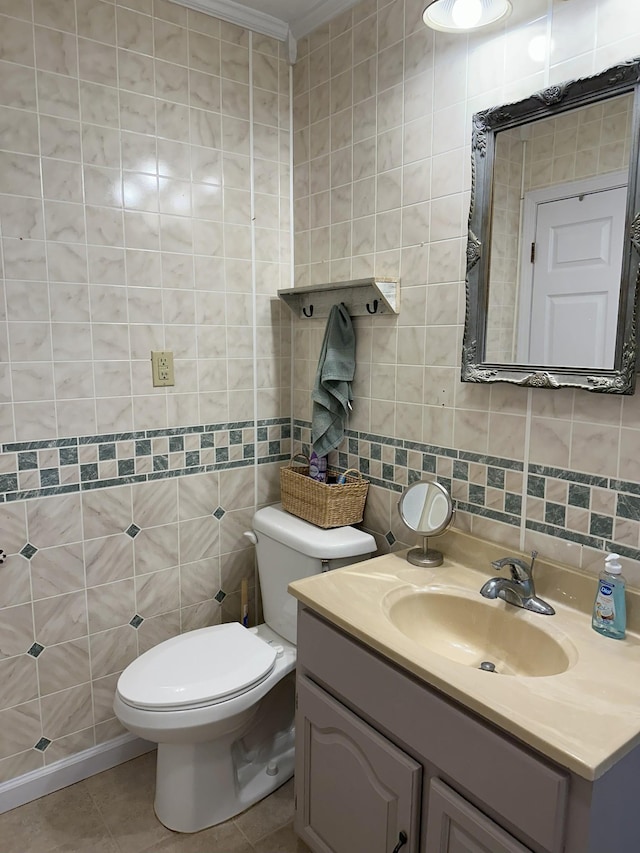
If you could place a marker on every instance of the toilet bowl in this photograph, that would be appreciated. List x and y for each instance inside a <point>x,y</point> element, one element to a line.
<point>220,701</point>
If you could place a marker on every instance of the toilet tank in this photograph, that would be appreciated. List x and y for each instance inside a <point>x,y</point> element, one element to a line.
<point>288,549</point>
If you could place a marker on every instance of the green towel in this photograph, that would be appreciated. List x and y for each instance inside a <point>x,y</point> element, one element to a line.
<point>331,393</point>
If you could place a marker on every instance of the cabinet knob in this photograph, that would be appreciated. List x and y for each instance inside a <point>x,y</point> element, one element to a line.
<point>402,840</point>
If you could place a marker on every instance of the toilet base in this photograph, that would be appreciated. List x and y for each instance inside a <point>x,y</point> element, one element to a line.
<point>202,784</point>
<point>199,785</point>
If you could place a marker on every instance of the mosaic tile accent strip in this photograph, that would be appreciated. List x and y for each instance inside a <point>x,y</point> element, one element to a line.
<point>600,512</point>
<point>35,469</point>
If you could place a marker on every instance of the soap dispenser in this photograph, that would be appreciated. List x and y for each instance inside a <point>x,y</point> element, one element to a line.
<point>609,608</point>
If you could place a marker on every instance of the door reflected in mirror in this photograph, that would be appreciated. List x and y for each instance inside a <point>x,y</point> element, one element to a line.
<point>557,235</point>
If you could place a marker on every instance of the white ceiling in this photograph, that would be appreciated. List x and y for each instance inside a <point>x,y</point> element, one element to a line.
<point>286,20</point>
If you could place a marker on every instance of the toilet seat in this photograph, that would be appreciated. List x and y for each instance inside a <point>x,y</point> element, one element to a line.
<point>197,669</point>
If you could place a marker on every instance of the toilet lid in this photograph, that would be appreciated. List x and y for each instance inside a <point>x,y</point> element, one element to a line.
<point>198,668</point>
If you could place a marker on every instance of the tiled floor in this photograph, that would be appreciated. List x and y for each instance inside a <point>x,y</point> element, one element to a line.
<point>113,813</point>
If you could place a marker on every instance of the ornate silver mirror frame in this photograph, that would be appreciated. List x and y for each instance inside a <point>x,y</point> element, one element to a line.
<point>619,80</point>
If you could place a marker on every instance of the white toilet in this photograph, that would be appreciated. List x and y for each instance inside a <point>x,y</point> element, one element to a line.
<point>219,701</point>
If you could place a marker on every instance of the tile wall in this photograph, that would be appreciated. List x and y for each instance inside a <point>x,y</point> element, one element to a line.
<point>136,140</point>
<point>382,130</point>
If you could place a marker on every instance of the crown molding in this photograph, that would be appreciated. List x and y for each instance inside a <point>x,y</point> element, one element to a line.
<point>322,12</point>
<point>243,16</point>
<point>268,25</point>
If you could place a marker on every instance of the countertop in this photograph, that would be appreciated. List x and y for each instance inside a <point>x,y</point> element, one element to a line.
<point>585,718</point>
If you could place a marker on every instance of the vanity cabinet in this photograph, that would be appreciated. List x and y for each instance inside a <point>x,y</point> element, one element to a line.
<point>455,826</point>
<point>360,791</point>
<point>379,752</point>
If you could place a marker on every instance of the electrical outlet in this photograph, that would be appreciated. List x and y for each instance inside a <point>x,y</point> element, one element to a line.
<point>162,368</point>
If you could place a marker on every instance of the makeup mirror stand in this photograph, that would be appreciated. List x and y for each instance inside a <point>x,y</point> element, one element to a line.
<point>425,557</point>
<point>426,509</point>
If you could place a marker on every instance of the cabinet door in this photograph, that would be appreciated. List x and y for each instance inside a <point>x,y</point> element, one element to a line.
<point>355,791</point>
<point>455,826</point>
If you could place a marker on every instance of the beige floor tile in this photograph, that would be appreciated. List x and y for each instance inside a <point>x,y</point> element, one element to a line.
<point>66,820</point>
<point>225,838</point>
<point>124,798</point>
<point>269,814</point>
<point>283,840</point>
<point>137,775</point>
<point>112,812</point>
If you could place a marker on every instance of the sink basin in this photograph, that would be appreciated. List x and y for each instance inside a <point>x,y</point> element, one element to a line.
<point>470,630</point>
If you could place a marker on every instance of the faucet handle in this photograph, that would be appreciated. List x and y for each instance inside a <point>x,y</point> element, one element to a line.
<point>520,571</point>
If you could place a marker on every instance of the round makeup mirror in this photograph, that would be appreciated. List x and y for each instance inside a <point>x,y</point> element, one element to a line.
<point>427,509</point>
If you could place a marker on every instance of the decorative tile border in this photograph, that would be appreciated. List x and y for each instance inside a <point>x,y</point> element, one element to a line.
<point>600,512</point>
<point>35,469</point>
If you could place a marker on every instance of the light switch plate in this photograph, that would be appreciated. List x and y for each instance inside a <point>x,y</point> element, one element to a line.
<point>162,368</point>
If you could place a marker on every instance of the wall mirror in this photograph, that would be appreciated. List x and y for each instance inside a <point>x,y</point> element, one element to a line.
<point>427,509</point>
<point>554,237</point>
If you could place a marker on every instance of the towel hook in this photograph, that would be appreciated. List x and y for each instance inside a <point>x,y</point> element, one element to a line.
<point>310,314</point>
<point>375,307</point>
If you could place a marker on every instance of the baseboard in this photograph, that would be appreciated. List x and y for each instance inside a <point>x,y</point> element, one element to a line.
<point>67,771</point>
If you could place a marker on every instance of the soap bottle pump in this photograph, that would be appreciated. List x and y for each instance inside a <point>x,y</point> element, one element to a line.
<point>609,608</point>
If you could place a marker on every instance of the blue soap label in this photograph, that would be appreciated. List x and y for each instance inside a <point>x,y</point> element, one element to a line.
<point>605,610</point>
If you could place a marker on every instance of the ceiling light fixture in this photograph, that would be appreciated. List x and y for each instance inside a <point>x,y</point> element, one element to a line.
<point>462,16</point>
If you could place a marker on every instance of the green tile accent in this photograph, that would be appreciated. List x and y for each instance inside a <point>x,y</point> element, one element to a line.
<point>68,455</point>
<point>27,461</point>
<point>49,477</point>
<point>8,482</point>
<point>535,486</point>
<point>400,457</point>
<point>29,551</point>
<point>573,476</point>
<point>495,477</point>
<point>485,512</point>
<point>555,514</point>
<point>513,503</point>
<point>579,495</point>
<point>176,443</point>
<point>460,470</point>
<point>476,494</point>
<point>561,533</point>
<point>429,463</point>
<point>126,467</point>
<point>601,525</point>
<point>628,506</point>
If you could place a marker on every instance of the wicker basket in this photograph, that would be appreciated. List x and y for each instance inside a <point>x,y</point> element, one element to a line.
<point>324,505</point>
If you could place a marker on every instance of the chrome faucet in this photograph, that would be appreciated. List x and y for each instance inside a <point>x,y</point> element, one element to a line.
<point>519,588</point>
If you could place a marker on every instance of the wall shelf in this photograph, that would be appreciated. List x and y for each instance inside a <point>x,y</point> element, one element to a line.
<point>364,297</point>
